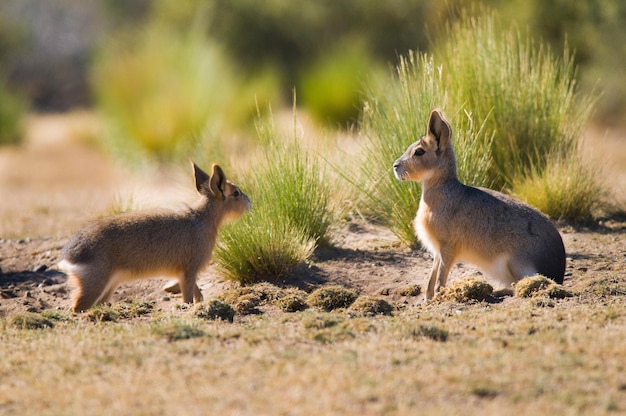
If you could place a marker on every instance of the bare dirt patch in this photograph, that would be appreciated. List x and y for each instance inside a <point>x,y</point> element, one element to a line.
<point>55,182</point>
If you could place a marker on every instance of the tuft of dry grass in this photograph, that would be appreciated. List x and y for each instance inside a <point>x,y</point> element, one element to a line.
<point>177,331</point>
<point>102,313</point>
<point>431,331</point>
<point>471,289</point>
<point>116,311</point>
<point>30,320</point>
<point>292,300</point>
<point>214,310</point>
<point>247,299</point>
<point>328,298</point>
<point>370,306</point>
<point>412,290</point>
<point>247,304</point>
<point>539,285</point>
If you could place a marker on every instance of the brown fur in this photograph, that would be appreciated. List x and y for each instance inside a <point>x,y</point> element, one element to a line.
<point>505,238</point>
<point>112,250</point>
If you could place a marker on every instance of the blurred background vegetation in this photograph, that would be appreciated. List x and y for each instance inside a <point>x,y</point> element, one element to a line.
<point>62,54</point>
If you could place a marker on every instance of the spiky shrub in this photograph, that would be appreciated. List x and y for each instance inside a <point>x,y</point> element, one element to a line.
<point>394,117</point>
<point>526,95</point>
<point>291,213</point>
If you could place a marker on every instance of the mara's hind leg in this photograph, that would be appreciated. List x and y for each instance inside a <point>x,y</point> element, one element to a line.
<point>517,268</point>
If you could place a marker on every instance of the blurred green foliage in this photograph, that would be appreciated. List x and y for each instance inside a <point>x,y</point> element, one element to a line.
<point>332,88</point>
<point>267,48</point>
<point>13,108</point>
<point>167,89</point>
<point>594,30</point>
<point>160,88</point>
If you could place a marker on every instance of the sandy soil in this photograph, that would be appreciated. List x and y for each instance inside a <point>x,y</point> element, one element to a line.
<point>57,180</point>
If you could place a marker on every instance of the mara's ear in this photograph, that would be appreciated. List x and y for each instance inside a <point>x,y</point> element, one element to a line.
<point>440,129</point>
<point>201,177</point>
<point>218,180</point>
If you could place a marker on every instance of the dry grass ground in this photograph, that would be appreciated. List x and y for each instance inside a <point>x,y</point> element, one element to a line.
<point>505,356</point>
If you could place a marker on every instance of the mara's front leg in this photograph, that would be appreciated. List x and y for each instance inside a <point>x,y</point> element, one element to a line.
<point>189,288</point>
<point>442,263</point>
<point>430,291</point>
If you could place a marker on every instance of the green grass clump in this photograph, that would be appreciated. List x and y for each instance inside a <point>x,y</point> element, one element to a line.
<point>294,183</point>
<point>526,95</point>
<point>30,320</point>
<point>261,248</point>
<point>215,310</point>
<point>371,306</point>
<point>329,298</point>
<point>177,331</point>
<point>290,215</point>
<point>471,289</point>
<point>433,332</point>
<point>292,300</point>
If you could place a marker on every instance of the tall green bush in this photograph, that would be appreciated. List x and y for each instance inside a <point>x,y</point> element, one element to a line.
<point>526,95</point>
<point>513,108</point>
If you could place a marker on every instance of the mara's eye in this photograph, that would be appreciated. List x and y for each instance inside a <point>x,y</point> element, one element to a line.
<point>236,193</point>
<point>419,152</point>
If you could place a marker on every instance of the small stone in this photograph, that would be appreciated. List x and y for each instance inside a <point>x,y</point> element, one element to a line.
<point>172,287</point>
<point>40,268</point>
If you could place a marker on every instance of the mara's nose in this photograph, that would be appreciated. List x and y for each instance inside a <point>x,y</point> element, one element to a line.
<point>397,171</point>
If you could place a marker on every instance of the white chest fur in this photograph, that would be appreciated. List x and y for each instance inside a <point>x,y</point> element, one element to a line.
<point>423,230</point>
